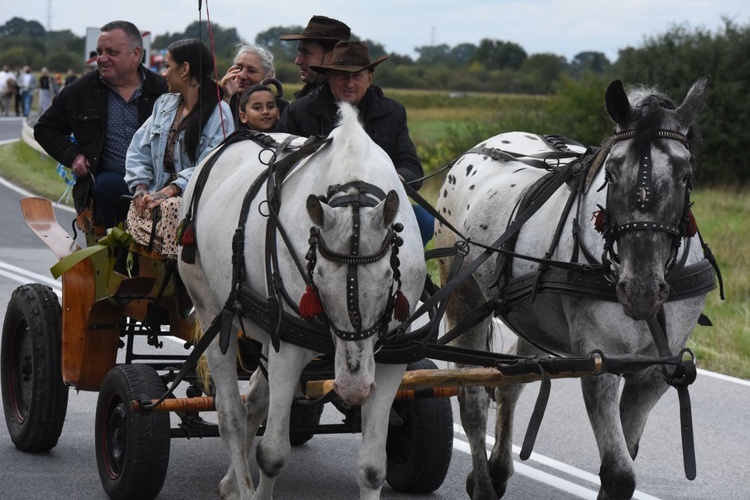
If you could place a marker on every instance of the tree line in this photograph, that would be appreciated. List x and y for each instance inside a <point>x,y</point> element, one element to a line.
<point>672,59</point>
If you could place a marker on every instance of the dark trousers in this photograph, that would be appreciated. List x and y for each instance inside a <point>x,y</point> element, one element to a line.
<point>108,189</point>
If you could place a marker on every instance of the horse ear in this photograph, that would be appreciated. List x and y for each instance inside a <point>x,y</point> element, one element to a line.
<point>315,210</point>
<point>617,103</point>
<point>693,103</point>
<point>390,208</point>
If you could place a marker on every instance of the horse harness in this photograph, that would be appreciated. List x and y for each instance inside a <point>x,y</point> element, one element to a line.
<point>270,313</point>
<point>596,278</point>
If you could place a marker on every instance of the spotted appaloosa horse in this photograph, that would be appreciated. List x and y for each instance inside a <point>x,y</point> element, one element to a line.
<point>355,276</point>
<point>647,174</point>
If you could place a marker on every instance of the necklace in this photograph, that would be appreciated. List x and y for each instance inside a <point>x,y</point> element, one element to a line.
<point>179,116</point>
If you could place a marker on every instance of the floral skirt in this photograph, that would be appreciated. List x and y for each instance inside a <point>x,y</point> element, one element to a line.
<point>167,220</point>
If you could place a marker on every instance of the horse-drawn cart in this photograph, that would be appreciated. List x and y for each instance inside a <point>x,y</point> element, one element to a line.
<point>354,306</point>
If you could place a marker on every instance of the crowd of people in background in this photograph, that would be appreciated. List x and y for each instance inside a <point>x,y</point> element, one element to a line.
<point>125,130</point>
<point>18,86</point>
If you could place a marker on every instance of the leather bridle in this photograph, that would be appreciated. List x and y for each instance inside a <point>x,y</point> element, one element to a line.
<point>357,194</point>
<point>643,194</point>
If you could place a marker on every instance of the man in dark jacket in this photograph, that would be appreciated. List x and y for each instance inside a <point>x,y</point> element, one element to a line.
<point>102,110</point>
<point>349,78</point>
<point>315,46</point>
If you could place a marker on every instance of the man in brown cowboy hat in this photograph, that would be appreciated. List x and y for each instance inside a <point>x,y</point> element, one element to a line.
<point>349,78</point>
<point>315,47</point>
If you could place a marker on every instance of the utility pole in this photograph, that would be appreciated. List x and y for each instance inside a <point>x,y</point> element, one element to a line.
<point>432,35</point>
<point>49,15</point>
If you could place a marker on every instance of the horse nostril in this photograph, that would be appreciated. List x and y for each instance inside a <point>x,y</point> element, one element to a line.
<point>664,289</point>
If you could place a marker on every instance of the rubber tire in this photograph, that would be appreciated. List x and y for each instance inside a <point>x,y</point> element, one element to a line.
<point>132,448</point>
<point>35,399</point>
<point>419,451</point>
<point>303,415</point>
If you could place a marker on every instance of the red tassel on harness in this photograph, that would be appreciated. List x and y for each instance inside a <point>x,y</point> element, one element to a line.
<point>187,240</point>
<point>401,307</point>
<point>309,304</point>
<point>600,219</point>
<point>690,226</point>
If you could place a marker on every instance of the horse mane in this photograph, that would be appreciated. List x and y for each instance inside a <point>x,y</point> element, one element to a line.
<point>649,106</point>
<point>350,141</point>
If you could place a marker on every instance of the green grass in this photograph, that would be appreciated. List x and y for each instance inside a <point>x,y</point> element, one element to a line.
<point>443,127</point>
<point>723,216</point>
<point>26,167</point>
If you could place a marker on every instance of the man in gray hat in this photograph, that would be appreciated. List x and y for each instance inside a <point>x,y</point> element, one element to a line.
<point>349,78</point>
<point>315,46</point>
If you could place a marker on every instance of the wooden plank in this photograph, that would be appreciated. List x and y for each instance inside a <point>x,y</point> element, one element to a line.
<point>453,377</point>
<point>39,216</point>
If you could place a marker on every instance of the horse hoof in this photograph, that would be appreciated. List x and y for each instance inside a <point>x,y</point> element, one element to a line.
<point>499,487</point>
<point>470,484</point>
<point>481,495</point>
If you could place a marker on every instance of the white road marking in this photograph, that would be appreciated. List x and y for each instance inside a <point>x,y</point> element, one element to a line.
<point>544,477</point>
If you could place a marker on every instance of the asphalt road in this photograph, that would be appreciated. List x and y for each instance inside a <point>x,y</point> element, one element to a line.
<point>564,465</point>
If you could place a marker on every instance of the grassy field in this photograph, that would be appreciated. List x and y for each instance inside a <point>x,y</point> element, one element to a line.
<point>442,127</point>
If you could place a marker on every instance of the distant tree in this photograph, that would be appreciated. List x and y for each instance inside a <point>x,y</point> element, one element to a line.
<point>160,42</point>
<point>495,54</point>
<point>281,49</point>
<point>376,49</point>
<point>21,27</point>
<point>18,56</point>
<point>61,61</point>
<point>462,54</point>
<point>674,60</point>
<point>400,60</point>
<point>578,109</point>
<point>64,40</point>
<point>36,44</point>
<point>225,39</point>
<point>595,62</point>
<point>542,72</point>
<point>434,54</point>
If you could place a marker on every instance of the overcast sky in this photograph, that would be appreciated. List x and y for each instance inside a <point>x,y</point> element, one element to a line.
<point>563,27</point>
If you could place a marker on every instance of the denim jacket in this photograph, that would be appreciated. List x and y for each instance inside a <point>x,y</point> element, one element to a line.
<point>144,163</point>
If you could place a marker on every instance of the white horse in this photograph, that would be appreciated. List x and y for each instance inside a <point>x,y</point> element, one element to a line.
<point>643,215</point>
<point>340,190</point>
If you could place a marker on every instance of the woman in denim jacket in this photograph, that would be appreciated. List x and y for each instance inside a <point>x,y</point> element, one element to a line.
<point>185,126</point>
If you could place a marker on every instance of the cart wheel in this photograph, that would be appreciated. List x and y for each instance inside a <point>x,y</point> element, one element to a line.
<point>132,448</point>
<point>35,398</point>
<point>303,415</point>
<point>419,451</point>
